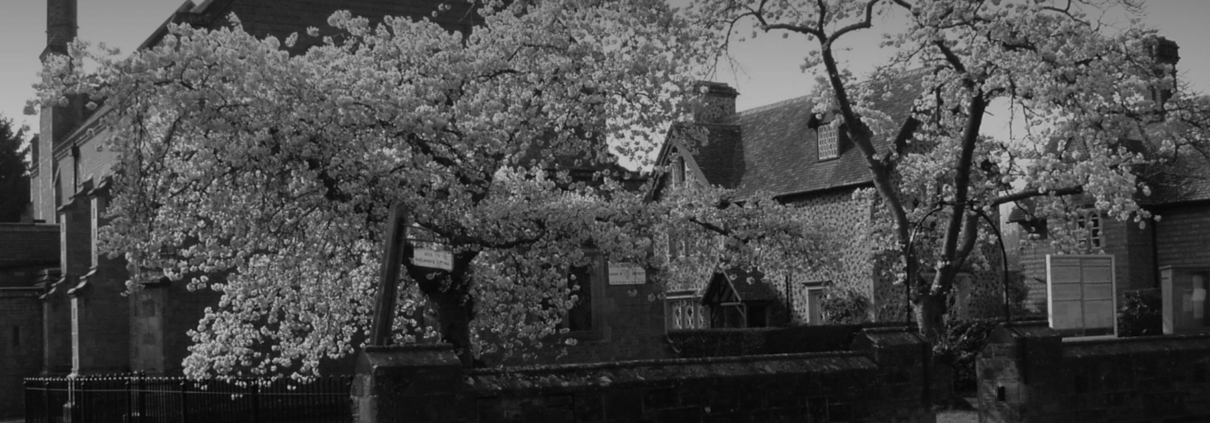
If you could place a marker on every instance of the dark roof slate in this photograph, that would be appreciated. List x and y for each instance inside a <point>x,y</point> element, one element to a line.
<point>1186,179</point>
<point>773,148</point>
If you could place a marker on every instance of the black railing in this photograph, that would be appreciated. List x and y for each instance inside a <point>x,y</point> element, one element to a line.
<point>140,399</point>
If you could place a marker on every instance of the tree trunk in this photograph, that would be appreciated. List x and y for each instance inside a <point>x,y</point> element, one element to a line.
<point>929,310</point>
<point>454,313</point>
<point>449,292</point>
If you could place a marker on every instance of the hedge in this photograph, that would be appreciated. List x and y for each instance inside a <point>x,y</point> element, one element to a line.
<point>699,343</point>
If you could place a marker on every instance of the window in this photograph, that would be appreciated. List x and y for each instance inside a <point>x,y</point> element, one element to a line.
<point>94,221</point>
<point>678,171</point>
<point>685,311</point>
<point>828,140</point>
<point>579,316</point>
<point>1090,235</point>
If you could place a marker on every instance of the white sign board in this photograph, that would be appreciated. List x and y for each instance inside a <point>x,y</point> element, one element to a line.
<point>1080,294</point>
<point>433,258</point>
<point>626,274</point>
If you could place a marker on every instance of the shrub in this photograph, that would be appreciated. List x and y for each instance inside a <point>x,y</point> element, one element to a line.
<point>699,343</point>
<point>1141,313</point>
<point>845,306</point>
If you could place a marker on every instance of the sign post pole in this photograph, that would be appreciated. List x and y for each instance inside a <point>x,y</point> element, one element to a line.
<point>388,282</point>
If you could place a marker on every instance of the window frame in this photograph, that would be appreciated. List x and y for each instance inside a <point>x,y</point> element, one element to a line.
<point>828,134</point>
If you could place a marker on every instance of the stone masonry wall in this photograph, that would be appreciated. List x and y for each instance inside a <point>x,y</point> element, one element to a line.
<point>848,221</point>
<point>884,379</point>
<point>1028,374</point>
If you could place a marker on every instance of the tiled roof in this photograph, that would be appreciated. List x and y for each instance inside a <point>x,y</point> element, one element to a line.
<point>1186,179</point>
<point>772,149</point>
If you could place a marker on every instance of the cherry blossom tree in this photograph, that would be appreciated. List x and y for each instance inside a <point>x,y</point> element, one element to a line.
<point>268,176</point>
<point>1097,109</point>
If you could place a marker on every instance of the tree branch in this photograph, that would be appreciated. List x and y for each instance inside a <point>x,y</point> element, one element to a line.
<point>1017,196</point>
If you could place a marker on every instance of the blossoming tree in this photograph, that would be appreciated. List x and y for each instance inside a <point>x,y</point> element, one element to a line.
<point>268,176</point>
<point>1095,105</point>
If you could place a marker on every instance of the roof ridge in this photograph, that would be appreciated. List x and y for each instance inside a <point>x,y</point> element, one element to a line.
<point>772,105</point>
<point>911,73</point>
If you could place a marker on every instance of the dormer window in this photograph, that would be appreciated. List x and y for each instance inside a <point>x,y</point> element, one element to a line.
<point>828,139</point>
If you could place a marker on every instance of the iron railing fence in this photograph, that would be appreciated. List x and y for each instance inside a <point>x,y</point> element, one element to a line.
<point>141,399</point>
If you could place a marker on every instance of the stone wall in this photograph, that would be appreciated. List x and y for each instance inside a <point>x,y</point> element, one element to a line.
<point>882,379</point>
<point>847,220</point>
<point>1027,373</point>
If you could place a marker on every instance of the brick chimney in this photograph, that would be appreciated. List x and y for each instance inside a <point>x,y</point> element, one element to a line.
<point>717,102</point>
<point>55,121</point>
<point>1165,52</point>
<point>61,26</point>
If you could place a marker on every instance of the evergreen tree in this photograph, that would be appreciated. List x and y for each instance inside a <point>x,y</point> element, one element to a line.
<point>14,181</point>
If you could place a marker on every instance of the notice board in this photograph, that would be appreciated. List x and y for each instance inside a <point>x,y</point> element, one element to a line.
<point>1080,294</point>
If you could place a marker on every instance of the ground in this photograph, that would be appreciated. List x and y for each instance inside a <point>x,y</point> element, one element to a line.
<point>956,416</point>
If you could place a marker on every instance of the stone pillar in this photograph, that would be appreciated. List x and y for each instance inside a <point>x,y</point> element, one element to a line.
<point>411,383</point>
<point>1017,371</point>
<point>904,360</point>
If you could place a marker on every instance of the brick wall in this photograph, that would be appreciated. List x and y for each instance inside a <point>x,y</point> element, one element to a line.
<point>25,249</point>
<point>1132,248</point>
<point>883,380</point>
<point>1183,236</point>
<point>20,345</point>
<point>1028,373</point>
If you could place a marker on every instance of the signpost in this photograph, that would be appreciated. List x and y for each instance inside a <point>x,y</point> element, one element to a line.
<point>384,302</point>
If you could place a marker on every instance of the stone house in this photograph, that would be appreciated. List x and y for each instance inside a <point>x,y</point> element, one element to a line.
<point>805,159</point>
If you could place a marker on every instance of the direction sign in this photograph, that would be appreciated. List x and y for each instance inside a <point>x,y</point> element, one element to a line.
<point>626,274</point>
<point>433,258</point>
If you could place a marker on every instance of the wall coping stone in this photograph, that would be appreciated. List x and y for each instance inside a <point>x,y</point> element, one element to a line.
<point>906,327</point>
<point>1137,345</point>
<point>658,362</point>
<point>597,376</point>
<point>20,292</point>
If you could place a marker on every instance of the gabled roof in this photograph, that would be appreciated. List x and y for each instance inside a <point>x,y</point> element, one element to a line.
<point>773,148</point>
<point>1184,180</point>
<point>280,18</point>
<point>734,285</point>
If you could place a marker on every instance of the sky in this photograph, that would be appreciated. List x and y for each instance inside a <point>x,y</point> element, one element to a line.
<point>768,66</point>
